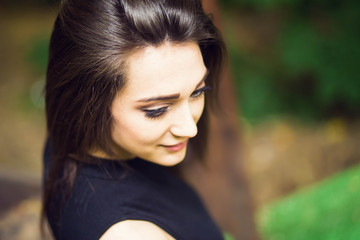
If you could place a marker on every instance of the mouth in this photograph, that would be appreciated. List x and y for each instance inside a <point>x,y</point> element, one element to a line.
<point>176,147</point>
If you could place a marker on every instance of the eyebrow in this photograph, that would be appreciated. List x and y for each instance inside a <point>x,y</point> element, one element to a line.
<point>172,96</point>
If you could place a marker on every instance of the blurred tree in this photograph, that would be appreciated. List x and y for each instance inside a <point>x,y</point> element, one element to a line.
<point>221,181</point>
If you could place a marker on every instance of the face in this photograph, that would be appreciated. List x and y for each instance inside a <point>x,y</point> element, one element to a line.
<point>156,112</point>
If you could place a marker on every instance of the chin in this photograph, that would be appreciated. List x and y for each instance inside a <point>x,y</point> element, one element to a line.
<point>170,159</point>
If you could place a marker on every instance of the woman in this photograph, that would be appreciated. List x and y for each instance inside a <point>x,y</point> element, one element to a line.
<point>124,100</point>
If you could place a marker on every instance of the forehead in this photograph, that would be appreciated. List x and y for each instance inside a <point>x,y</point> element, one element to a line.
<point>168,68</point>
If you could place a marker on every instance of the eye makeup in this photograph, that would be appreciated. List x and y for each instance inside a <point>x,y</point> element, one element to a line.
<point>200,92</point>
<point>155,113</point>
<point>159,112</point>
<point>152,112</point>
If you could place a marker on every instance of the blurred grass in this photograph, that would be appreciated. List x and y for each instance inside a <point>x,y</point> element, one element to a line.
<point>329,210</point>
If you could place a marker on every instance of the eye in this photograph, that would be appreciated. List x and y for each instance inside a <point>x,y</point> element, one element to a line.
<point>155,113</point>
<point>200,92</point>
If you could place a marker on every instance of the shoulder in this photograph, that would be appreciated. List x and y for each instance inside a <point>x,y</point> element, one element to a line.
<point>135,230</point>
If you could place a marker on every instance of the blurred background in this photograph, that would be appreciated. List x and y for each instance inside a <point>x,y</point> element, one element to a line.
<point>295,64</point>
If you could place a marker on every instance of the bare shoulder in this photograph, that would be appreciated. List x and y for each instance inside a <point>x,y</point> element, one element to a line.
<point>135,230</point>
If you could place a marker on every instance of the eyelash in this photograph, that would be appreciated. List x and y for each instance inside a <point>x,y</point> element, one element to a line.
<point>200,92</point>
<point>155,113</point>
<point>159,112</point>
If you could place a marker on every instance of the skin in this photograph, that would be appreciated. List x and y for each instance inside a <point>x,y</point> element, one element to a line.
<point>153,129</point>
<point>136,230</point>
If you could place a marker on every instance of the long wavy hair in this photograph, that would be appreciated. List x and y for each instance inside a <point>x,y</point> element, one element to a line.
<point>89,46</point>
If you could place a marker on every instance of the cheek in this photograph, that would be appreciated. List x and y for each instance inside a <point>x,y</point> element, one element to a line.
<point>136,129</point>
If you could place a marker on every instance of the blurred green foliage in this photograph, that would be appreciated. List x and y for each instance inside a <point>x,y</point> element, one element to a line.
<point>37,55</point>
<point>311,69</point>
<point>327,211</point>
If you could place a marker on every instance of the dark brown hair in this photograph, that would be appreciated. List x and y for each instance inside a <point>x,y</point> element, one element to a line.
<point>89,46</point>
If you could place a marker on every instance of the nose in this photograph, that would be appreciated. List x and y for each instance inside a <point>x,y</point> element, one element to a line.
<point>184,124</point>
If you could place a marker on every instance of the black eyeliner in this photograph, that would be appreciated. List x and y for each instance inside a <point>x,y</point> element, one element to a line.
<point>155,113</point>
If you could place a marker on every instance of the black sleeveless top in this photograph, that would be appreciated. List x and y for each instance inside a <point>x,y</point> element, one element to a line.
<point>107,193</point>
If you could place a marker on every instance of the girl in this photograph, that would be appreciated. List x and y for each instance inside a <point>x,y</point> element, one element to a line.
<point>125,99</point>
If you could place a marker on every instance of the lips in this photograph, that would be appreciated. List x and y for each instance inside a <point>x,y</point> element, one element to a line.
<point>176,147</point>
